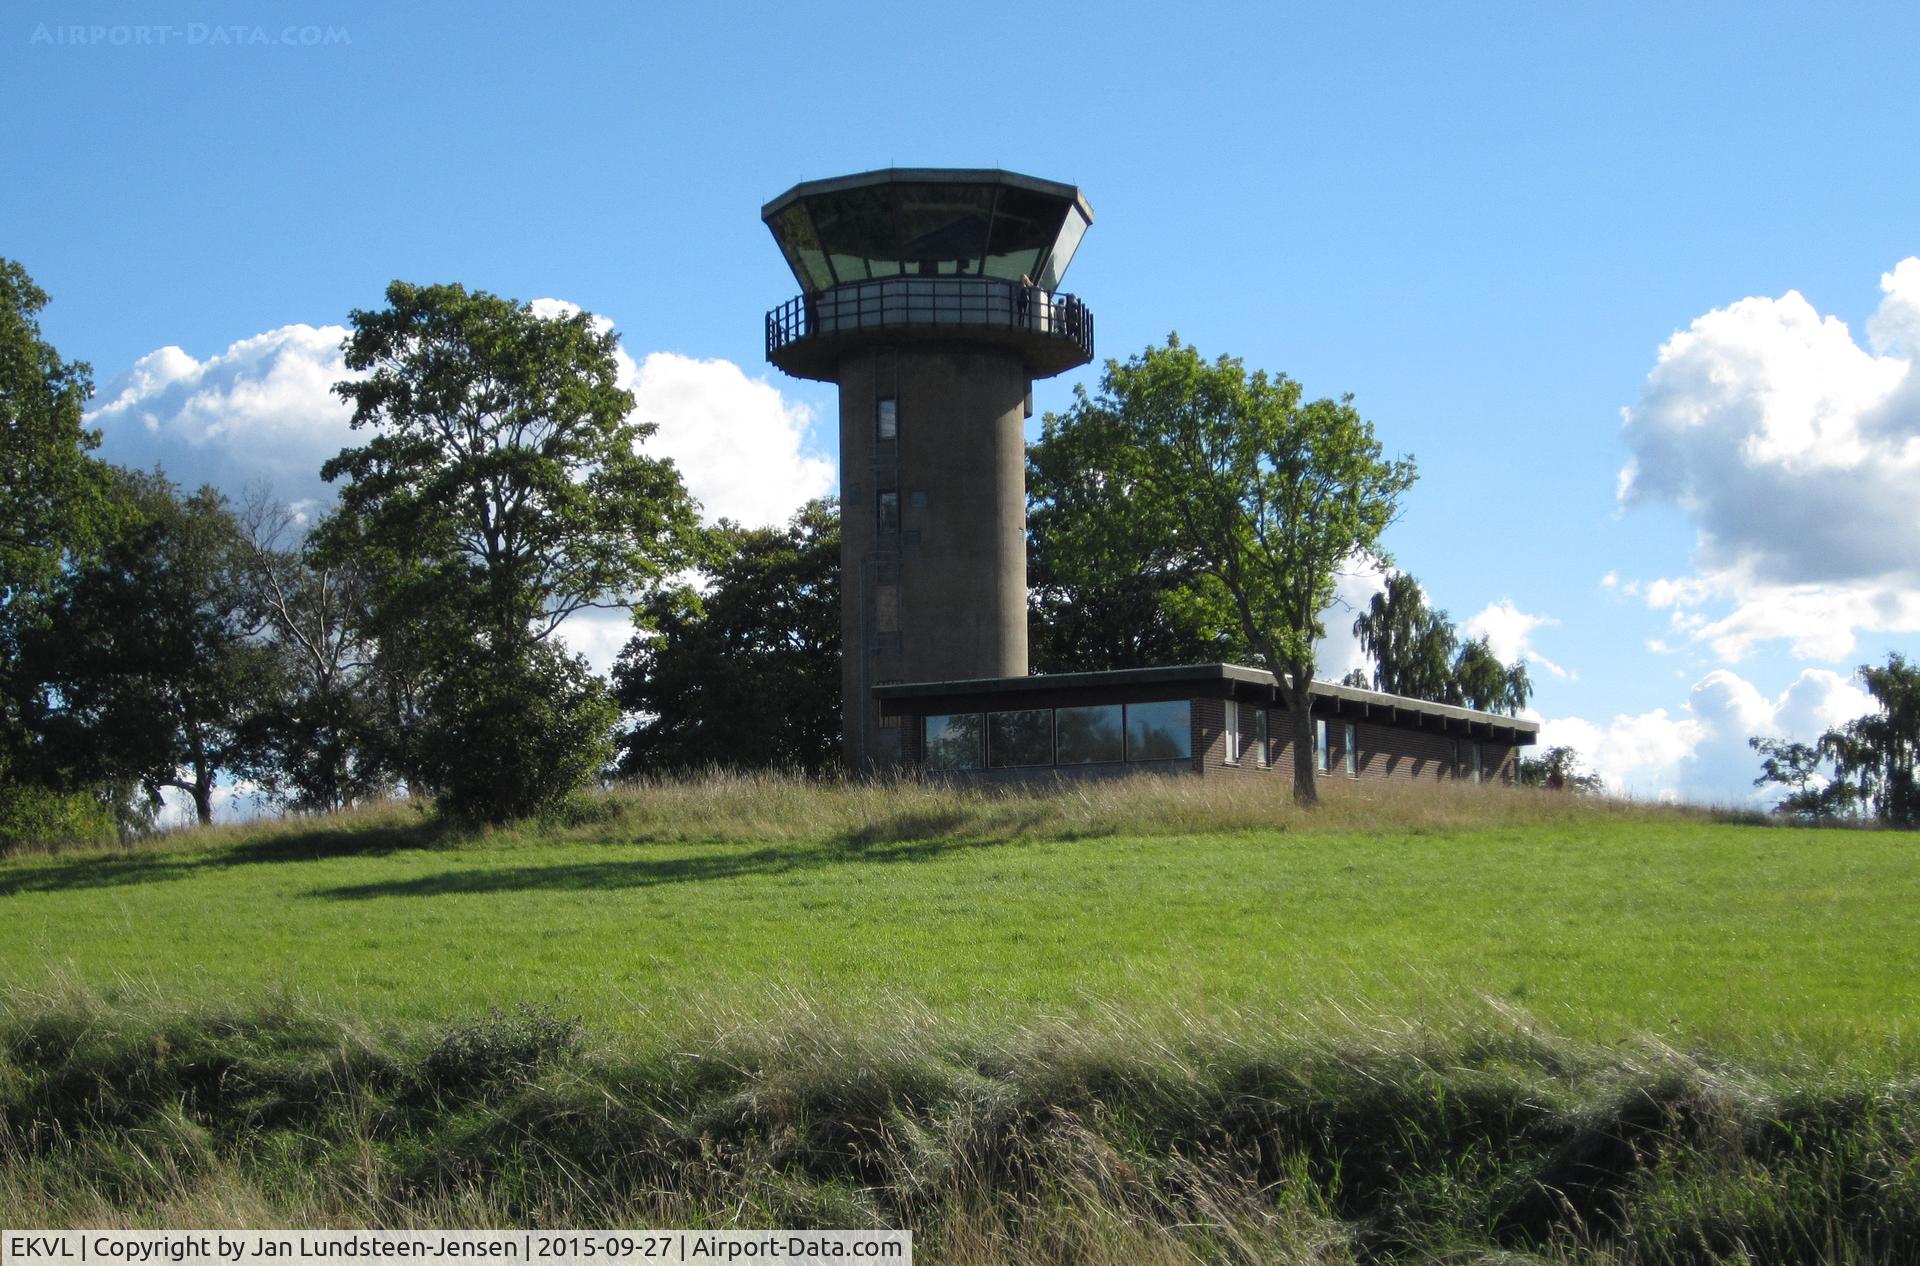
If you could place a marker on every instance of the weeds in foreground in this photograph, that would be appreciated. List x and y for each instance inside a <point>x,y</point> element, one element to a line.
<point>1226,1140</point>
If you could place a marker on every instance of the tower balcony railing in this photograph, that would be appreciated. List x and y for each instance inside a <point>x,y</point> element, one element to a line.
<point>963,303</point>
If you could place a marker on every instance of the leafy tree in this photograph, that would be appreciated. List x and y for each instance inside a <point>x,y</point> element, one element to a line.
<point>745,670</point>
<point>1812,793</point>
<point>1479,680</point>
<point>148,651</point>
<point>1559,769</point>
<point>1357,679</point>
<point>53,505</point>
<point>1875,755</point>
<point>503,488</point>
<point>1092,604</point>
<point>1412,645</point>
<point>513,733</point>
<point>1417,653</point>
<point>1267,495</point>
<point>1868,763</point>
<point>502,491</point>
<point>52,495</point>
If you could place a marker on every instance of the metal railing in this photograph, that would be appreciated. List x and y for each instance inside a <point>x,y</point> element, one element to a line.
<point>967,302</point>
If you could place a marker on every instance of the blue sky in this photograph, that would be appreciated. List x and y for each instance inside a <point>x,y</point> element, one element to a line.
<point>1486,224</point>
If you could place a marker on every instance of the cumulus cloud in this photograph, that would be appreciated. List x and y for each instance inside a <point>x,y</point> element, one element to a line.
<point>1700,753</point>
<point>741,446</point>
<point>264,411</point>
<point>1338,653</point>
<point>261,411</point>
<point>1509,633</point>
<point>1795,449</point>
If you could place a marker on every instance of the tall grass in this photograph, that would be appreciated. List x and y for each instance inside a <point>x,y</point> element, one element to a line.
<point>733,806</point>
<point>1233,1139</point>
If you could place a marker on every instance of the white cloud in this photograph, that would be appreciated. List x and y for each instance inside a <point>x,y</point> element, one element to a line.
<point>1339,653</point>
<point>1509,632</point>
<point>598,636</point>
<point>264,410</point>
<point>741,446</point>
<point>1795,450</point>
<point>1700,752</point>
<point>261,411</point>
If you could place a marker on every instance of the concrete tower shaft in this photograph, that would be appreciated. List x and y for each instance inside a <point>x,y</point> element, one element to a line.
<point>920,302</point>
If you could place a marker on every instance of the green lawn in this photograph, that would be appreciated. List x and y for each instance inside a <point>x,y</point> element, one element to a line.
<point>1738,938</point>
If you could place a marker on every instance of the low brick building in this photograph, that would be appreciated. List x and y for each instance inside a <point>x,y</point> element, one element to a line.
<point>1213,720</point>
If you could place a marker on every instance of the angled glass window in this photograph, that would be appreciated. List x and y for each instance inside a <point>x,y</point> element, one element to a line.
<point>888,518</point>
<point>1160,731</point>
<point>1018,739</point>
<point>1350,746</point>
<point>1025,224</point>
<point>1089,736</point>
<point>955,742</point>
<point>1476,762</point>
<point>1320,746</point>
<point>1261,751</point>
<point>1071,231</point>
<point>943,227</point>
<point>793,229</point>
<point>1232,727</point>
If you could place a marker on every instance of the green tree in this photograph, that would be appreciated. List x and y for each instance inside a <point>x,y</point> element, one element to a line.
<point>52,495</point>
<point>1559,769</point>
<point>1812,793</point>
<point>503,490</point>
<point>53,506</point>
<point>1874,756</point>
<point>1479,680</point>
<point>148,653</point>
<point>743,672</point>
<point>1267,494</point>
<point>1412,645</point>
<point>1092,605</point>
<point>511,736</point>
<point>1417,653</point>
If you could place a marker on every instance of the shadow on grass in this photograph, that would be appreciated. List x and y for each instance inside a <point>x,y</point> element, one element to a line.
<point>783,859</point>
<point>899,838</point>
<point>72,874</point>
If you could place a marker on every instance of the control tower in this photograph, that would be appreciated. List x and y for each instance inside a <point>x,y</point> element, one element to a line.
<point>931,298</point>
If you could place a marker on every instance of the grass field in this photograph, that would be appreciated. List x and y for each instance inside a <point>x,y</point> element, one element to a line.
<point>1159,1021</point>
<point>1602,924</point>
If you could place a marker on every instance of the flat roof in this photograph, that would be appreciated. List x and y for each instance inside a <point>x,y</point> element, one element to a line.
<point>928,176</point>
<point>1221,678</point>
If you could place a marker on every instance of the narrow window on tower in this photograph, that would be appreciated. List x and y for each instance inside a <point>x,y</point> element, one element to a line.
<point>886,608</point>
<point>886,419</point>
<point>889,517</point>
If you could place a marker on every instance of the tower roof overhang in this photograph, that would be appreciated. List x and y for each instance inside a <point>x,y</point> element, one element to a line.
<point>928,222</point>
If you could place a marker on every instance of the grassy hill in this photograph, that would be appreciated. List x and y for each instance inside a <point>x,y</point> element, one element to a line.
<point>1160,1020</point>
